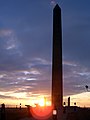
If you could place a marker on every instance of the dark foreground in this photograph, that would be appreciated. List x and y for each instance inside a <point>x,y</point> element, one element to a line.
<point>69,114</point>
<point>14,114</point>
<point>79,114</point>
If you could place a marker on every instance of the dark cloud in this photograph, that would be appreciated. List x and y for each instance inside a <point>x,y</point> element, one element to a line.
<point>75,78</point>
<point>35,79</point>
<point>76,35</point>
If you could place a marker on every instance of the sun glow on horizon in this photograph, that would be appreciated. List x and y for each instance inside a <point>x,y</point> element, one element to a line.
<point>42,108</point>
<point>81,99</point>
<point>42,101</point>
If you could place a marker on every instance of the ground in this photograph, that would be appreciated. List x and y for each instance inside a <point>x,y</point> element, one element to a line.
<point>69,114</point>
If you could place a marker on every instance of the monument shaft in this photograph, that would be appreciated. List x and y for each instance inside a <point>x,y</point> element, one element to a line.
<point>57,92</point>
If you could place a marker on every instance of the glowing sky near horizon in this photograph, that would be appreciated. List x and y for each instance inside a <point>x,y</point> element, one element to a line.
<point>26,50</point>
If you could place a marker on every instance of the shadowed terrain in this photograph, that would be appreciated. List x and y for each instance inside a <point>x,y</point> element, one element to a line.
<point>15,114</point>
<point>70,114</point>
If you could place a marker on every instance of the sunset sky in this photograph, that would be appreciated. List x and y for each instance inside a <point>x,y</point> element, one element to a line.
<point>26,50</point>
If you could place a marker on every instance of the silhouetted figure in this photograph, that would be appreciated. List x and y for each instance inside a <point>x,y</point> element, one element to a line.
<point>3,111</point>
<point>64,104</point>
<point>75,106</point>
<point>20,106</point>
<point>64,108</point>
<point>68,101</point>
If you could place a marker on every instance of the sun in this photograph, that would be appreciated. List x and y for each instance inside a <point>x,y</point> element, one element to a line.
<point>42,101</point>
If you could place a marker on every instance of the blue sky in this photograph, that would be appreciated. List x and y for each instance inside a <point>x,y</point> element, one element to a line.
<point>26,47</point>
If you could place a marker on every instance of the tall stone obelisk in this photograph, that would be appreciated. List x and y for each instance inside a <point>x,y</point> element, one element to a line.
<point>57,86</point>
